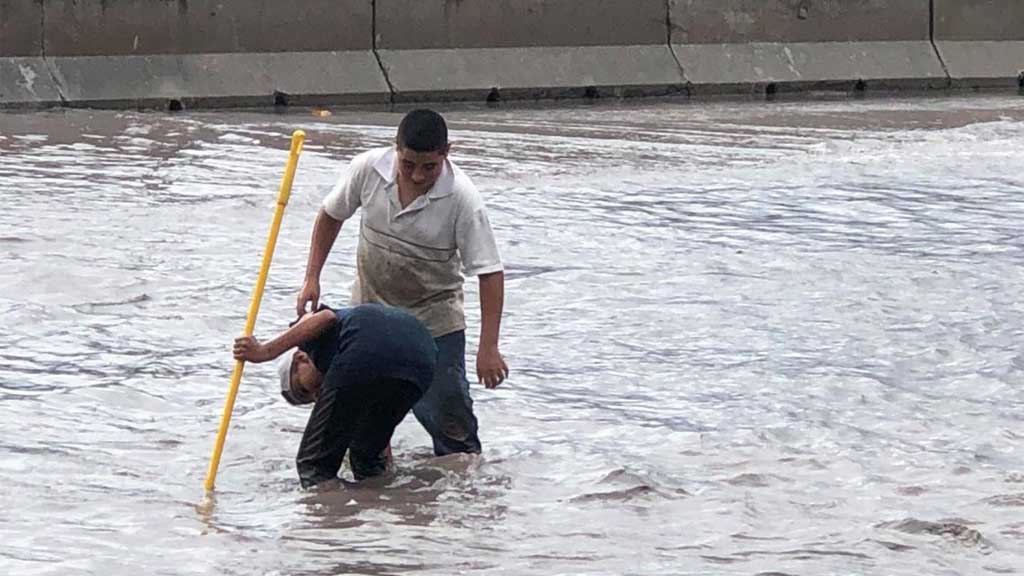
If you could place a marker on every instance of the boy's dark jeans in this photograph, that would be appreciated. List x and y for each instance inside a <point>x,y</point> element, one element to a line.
<point>446,409</point>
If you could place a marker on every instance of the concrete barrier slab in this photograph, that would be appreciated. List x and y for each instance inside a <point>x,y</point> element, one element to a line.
<point>141,27</point>
<point>798,21</point>
<point>973,20</point>
<point>21,28</point>
<point>981,64</point>
<point>220,79</point>
<point>731,67</point>
<point>481,24</point>
<point>327,77</point>
<point>26,82</point>
<point>531,72</point>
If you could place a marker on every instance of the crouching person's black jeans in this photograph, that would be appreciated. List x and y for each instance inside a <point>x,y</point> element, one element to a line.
<point>358,417</point>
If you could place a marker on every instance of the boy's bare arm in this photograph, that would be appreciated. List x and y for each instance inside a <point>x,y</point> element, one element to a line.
<point>325,232</point>
<point>490,365</point>
<point>309,327</point>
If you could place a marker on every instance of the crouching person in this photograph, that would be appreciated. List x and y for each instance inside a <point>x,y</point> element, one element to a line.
<point>363,368</point>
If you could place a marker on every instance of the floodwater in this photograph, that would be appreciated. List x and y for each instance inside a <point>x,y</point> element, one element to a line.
<point>745,338</point>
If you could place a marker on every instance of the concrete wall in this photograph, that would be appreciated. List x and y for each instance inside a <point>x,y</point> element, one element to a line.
<point>24,77</point>
<point>256,52</point>
<point>966,20</point>
<point>194,52</point>
<point>470,24</point>
<point>981,42</point>
<point>204,80</point>
<point>476,49</point>
<point>789,21</point>
<point>122,27</point>
<point>21,28</point>
<point>754,45</point>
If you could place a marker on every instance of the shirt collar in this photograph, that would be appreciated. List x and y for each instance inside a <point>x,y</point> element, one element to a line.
<point>386,167</point>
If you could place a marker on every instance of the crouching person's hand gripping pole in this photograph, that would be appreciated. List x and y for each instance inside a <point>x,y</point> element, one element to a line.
<point>298,137</point>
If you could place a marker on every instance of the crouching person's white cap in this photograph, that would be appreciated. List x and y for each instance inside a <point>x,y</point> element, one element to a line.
<point>284,371</point>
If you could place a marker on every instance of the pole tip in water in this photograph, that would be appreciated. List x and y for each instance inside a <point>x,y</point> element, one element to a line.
<point>206,506</point>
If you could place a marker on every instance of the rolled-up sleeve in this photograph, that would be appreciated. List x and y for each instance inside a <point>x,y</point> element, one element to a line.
<point>476,244</point>
<point>345,197</point>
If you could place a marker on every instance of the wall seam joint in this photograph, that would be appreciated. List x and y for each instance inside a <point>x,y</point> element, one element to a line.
<point>46,59</point>
<point>42,28</point>
<point>61,93</point>
<point>376,53</point>
<point>668,40</point>
<point>935,47</point>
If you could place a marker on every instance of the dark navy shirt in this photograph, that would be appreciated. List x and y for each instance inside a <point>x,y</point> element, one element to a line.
<point>371,341</point>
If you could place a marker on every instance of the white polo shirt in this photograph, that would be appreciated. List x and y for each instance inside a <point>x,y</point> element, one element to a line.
<point>413,258</point>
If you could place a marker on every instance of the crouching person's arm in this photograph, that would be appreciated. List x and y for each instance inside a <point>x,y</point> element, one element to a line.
<point>310,326</point>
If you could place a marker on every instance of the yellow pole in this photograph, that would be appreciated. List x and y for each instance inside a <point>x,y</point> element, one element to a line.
<point>298,137</point>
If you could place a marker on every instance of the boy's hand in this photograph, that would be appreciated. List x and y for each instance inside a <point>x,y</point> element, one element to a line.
<point>490,366</point>
<point>310,294</point>
<point>249,349</point>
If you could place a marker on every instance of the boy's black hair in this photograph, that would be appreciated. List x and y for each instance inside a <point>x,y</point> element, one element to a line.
<point>423,131</point>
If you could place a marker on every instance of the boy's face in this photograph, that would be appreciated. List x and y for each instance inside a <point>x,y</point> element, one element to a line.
<point>418,171</point>
<point>305,378</point>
